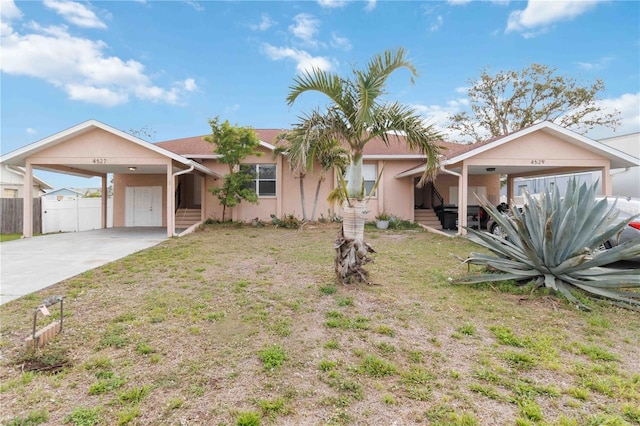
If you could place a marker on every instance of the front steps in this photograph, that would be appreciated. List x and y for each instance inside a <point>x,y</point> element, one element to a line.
<point>187,217</point>
<point>427,217</point>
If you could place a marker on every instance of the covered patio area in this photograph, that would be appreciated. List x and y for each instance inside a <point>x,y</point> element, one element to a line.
<point>544,149</point>
<point>146,197</point>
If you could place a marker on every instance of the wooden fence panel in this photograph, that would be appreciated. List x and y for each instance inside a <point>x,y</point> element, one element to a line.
<point>11,215</point>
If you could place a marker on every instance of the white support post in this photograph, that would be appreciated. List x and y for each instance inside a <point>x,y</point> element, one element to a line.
<point>27,210</point>
<point>105,197</point>
<point>170,200</point>
<point>462,200</point>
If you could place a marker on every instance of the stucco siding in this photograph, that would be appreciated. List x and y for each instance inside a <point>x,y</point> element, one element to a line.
<point>539,146</point>
<point>98,144</point>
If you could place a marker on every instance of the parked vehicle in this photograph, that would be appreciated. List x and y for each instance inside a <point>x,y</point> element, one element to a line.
<point>627,207</point>
<point>492,226</point>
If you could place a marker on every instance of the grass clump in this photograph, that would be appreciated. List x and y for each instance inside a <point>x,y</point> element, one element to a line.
<point>107,382</point>
<point>273,357</point>
<point>34,418</point>
<point>134,395</point>
<point>373,366</point>
<point>248,418</point>
<point>83,416</point>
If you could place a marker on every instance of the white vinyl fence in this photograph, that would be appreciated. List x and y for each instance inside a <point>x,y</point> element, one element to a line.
<point>74,215</point>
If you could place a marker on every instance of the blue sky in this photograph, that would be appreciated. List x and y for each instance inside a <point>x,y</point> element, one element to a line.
<point>168,66</point>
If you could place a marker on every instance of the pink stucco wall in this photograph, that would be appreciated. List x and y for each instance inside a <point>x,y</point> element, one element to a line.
<point>97,143</point>
<point>538,146</point>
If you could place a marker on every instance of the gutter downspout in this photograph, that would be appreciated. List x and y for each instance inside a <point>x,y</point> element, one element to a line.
<point>450,172</point>
<point>173,212</point>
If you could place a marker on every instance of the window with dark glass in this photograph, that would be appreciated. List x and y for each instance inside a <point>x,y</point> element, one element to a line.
<point>263,178</point>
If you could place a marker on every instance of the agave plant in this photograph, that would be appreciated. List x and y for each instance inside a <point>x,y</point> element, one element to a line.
<point>555,242</point>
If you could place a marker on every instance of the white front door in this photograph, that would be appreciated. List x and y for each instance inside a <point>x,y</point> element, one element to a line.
<point>143,206</point>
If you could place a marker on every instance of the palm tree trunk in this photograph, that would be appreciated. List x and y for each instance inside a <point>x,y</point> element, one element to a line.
<point>304,210</point>
<point>351,249</point>
<point>315,199</point>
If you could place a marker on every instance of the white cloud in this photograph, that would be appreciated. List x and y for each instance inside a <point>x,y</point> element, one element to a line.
<point>340,42</point>
<point>371,4</point>
<point>304,61</point>
<point>95,95</point>
<point>435,26</point>
<point>265,24</point>
<point>598,65</point>
<point>332,3</point>
<point>305,27</point>
<point>190,85</point>
<point>31,131</point>
<point>80,67</point>
<point>629,107</point>
<point>75,13</point>
<point>9,11</point>
<point>197,6</point>
<point>232,108</point>
<point>438,116</point>
<point>539,14</point>
<point>458,2</point>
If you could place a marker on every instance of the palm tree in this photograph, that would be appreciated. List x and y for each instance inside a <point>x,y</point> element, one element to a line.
<point>304,148</point>
<point>356,115</point>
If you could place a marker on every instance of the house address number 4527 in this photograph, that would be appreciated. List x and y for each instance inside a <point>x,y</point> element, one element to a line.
<point>537,161</point>
<point>99,161</point>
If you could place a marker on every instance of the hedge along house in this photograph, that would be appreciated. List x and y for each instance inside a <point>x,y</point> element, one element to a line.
<point>161,184</point>
<point>144,174</point>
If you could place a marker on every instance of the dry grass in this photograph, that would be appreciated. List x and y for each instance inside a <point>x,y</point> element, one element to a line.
<point>238,325</point>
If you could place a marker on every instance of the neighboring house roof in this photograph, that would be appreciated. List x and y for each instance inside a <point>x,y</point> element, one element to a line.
<point>21,171</point>
<point>617,158</point>
<point>18,157</point>
<point>64,191</point>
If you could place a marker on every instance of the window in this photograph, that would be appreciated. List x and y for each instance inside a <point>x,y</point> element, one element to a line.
<point>369,174</point>
<point>10,193</point>
<point>264,178</point>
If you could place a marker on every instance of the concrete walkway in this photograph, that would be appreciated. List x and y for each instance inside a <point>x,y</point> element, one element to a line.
<point>31,264</point>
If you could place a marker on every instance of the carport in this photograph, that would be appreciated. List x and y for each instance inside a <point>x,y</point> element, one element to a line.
<point>544,149</point>
<point>94,149</point>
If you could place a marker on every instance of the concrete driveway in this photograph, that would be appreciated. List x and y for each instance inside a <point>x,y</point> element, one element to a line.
<point>31,264</point>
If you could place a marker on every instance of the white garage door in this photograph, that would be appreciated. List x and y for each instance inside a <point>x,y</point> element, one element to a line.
<point>143,206</point>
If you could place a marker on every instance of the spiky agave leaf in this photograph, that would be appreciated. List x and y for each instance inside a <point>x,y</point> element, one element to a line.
<point>554,242</point>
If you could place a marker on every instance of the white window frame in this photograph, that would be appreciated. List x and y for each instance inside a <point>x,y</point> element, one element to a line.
<point>370,174</point>
<point>257,179</point>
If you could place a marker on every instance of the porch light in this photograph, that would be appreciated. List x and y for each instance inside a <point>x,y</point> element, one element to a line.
<point>133,169</point>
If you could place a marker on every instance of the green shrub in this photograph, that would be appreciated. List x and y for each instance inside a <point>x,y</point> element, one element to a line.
<point>287,221</point>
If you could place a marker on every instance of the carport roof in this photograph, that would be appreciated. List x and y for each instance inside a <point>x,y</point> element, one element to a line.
<point>618,159</point>
<point>19,156</point>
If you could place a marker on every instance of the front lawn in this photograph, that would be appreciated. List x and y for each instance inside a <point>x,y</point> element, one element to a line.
<point>241,325</point>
